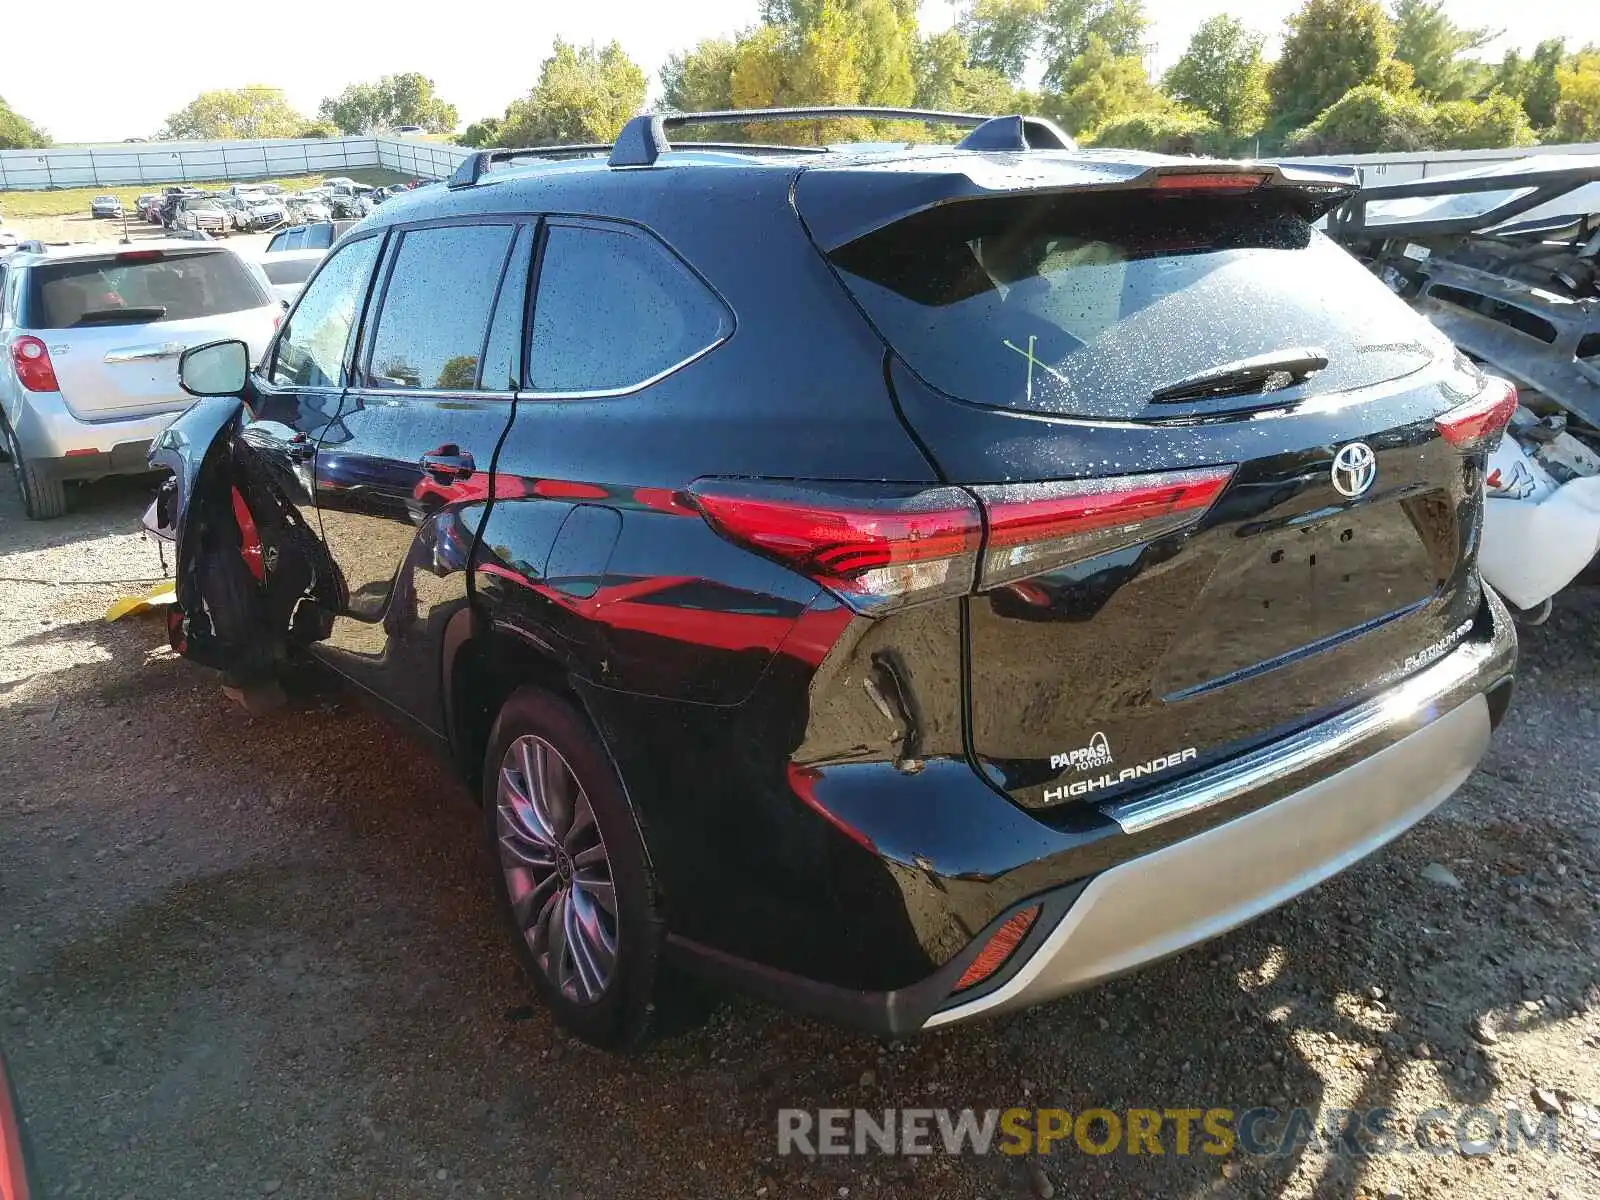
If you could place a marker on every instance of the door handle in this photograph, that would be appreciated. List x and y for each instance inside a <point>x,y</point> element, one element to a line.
<point>449,462</point>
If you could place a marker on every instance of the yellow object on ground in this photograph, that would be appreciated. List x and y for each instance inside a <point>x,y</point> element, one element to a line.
<point>157,597</point>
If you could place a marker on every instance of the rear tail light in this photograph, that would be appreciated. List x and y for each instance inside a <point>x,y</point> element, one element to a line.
<point>1481,420</point>
<point>875,546</point>
<point>879,546</point>
<point>1034,527</point>
<point>32,362</point>
<point>1000,946</point>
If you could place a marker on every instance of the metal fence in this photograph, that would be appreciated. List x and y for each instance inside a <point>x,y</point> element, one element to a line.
<point>180,162</point>
<point>1403,168</point>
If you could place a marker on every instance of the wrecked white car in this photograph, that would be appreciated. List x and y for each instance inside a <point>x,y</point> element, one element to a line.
<point>1505,260</point>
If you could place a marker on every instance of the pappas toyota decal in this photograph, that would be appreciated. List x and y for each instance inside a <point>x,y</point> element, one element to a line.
<point>1098,754</point>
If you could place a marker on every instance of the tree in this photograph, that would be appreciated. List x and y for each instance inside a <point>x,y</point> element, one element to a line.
<point>1433,44</point>
<point>255,111</point>
<point>1370,119</point>
<point>1174,130</point>
<point>1222,74</point>
<point>1543,91</point>
<point>584,95</point>
<point>1070,24</point>
<point>318,129</point>
<point>394,100</point>
<point>1578,111</point>
<point>1488,125</point>
<point>17,132</point>
<point>480,135</point>
<point>700,80</point>
<point>1329,47</point>
<point>946,82</point>
<point>1002,34</point>
<point>1101,86</point>
<point>1366,120</point>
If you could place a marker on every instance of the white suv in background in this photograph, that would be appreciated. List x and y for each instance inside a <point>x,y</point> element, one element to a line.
<point>89,345</point>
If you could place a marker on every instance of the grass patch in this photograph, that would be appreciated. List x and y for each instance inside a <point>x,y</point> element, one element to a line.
<point>67,202</point>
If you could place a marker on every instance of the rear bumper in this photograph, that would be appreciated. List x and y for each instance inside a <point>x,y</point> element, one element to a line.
<point>1121,886</point>
<point>1205,885</point>
<point>72,448</point>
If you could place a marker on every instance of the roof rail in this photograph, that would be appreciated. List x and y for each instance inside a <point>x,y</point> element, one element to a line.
<point>644,138</point>
<point>475,166</point>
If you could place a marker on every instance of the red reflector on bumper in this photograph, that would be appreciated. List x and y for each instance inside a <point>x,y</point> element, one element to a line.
<point>998,948</point>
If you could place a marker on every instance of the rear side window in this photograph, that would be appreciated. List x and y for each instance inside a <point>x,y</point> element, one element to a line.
<point>310,349</point>
<point>280,241</point>
<point>140,288</point>
<point>501,352</point>
<point>437,305</point>
<point>316,237</point>
<point>616,309</point>
<point>1086,305</point>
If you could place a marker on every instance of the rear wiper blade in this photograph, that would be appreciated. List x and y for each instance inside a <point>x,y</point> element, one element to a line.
<point>131,315</point>
<point>1262,373</point>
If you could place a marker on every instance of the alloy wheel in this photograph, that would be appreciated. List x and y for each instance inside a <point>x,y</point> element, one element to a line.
<point>556,871</point>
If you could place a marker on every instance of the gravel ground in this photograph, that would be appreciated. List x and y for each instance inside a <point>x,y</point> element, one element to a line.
<point>258,957</point>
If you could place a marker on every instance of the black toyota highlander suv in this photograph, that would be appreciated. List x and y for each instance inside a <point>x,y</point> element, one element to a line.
<point>905,582</point>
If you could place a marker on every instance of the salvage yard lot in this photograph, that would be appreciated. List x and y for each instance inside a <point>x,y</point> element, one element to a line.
<point>258,956</point>
<point>62,202</point>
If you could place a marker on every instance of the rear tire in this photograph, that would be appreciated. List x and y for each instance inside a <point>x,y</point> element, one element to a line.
<point>44,497</point>
<point>572,874</point>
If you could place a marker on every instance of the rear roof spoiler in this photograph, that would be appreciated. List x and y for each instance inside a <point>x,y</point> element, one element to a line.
<point>843,203</point>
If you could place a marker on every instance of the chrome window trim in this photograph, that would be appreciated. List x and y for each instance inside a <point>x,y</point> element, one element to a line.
<point>608,393</point>
<point>430,393</point>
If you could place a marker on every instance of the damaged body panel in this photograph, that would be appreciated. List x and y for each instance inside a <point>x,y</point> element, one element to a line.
<point>1505,261</point>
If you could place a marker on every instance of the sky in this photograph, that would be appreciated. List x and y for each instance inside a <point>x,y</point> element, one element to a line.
<point>118,75</point>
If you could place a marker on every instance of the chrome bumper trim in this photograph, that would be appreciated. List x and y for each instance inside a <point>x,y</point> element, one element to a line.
<point>1403,707</point>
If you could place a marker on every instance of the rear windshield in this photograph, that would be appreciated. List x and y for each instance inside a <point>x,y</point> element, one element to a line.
<point>289,270</point>
<point>1086,305</point>
<point>113,291</point>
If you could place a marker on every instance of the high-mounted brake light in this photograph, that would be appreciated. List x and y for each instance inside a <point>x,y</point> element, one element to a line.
<point>34,369</point>
<point>139,256</point>
<point>874,546</point>
<point>1225,182</point>
<point>1481,420</point>
<point>1034,527</point>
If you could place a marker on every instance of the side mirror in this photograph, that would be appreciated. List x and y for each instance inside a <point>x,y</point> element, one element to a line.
<point>215,369</point>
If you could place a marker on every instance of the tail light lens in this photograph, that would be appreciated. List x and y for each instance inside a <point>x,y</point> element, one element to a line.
<point>1481,420</point>
<point>874,546</point>
<point>1000,946</point>
<point>1036,526</point>
<point>880,546</point>
<point>32,362</point>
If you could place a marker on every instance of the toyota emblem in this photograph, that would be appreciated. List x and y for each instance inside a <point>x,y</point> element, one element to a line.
<point>1354,469</point>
